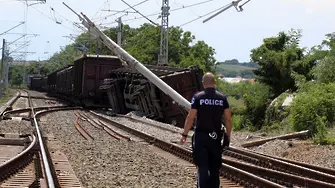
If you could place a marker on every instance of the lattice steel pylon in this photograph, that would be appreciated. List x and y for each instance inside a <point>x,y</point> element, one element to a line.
<point>163,56</point>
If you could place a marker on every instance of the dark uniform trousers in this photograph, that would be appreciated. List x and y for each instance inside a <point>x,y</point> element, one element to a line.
<point>207,158</point>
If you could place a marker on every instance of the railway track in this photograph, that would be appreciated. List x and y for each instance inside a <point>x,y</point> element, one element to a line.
<point>284,172</point>
<point>18,156</point>
<point>241,167</point>
<point>231,176</point>
<point>26,161</point>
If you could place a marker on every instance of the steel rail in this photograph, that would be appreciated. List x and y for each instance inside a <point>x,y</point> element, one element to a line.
<point>149,123</point>
<point>45,98</point>
<point>306,165</point>
<point>82,131</point>
<point>9,103</point>
<point>107,127</point>
<point>40,113</point>
<point>289,178</point>
<point>279,163</point>
<point>18,160</point>
<point>187,155</point>
<point>22,110</point>
<point>46,165</point>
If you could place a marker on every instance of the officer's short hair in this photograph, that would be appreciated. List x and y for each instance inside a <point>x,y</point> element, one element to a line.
<point>208,78</point>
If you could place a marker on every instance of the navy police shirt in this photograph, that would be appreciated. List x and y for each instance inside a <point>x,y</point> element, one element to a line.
<point>210,105</point>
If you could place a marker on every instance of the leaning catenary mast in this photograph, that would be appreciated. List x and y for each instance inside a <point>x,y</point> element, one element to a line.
<point>129,60</point>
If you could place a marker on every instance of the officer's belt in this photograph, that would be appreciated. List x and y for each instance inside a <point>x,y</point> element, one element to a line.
<point>206,131</point>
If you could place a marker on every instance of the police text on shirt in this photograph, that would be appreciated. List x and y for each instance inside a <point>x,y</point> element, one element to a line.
<point>215,102</point>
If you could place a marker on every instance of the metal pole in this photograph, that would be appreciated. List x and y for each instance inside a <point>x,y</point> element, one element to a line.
<point>3,59</point>
<point>164,43</point>
<point>123,55</point>
<point>6,73</point>
<point>119,31</point>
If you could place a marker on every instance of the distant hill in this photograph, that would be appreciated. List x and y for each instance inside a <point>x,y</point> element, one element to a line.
<point>233,68</point>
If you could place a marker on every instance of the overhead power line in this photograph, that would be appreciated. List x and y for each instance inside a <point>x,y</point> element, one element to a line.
<point>12,28</point>
<point>140,13</point>
<point>158,13</point>
<point>105,17</point>
<point>220,10</point>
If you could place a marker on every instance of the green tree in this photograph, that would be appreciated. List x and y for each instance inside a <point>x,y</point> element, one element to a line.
<point>15,75</point>
<point>143,44</point>
<point>324,71</point>
<point>280,61</point>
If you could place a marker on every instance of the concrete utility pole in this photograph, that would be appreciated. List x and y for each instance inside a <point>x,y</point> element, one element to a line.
<point>119,31</point>
<point>163,56</point>
<point>39,67</point>
<point>4,66</point>
<point>2,59</point>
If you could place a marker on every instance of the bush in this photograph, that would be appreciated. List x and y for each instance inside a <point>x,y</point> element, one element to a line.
<point>238,122</point>
<point>256,102</point>
<point>314,109</point>
<point>279,128</point>
<point>236,105</point>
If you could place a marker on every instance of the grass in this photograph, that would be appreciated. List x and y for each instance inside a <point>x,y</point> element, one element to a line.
<point>5,96</point>
<point>236,103</point>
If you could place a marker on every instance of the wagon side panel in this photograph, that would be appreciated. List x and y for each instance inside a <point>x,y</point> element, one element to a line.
<point>186,84</point>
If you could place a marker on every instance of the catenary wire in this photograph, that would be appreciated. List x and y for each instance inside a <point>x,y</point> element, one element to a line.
<point>158,13</point>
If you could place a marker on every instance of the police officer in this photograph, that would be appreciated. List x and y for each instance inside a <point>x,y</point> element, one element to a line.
<point>208,107</point>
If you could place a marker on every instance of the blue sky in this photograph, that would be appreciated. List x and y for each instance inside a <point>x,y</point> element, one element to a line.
<point>232,34</point>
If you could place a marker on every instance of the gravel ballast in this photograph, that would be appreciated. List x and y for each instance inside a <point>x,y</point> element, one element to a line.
<point>237,138</point>
<point>107,162</point>
<point>17,125</point>
<point>303,151</point>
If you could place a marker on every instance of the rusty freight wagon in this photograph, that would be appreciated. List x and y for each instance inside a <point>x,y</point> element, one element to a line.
<point>89,71</point>
<point>37,83</point>
<point>128,90</point>
<point>54,82</point>
<point>64,81</point>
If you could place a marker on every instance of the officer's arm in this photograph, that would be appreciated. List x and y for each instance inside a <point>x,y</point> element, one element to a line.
<point>192,114</point>
<point>227,117</point>
<point>227,120</point>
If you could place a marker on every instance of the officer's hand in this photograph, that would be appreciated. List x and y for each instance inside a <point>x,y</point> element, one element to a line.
<point>226,140</point>
<point>183,139</point>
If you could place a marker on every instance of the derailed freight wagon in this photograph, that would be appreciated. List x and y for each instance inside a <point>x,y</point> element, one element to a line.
<point>89,73</point>
<point>128,90</point>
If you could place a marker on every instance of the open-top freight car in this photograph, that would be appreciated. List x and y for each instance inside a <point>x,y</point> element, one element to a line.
<point>89,73</point>
<point>129,90</point>
<point>37,82</point>
<point>80,81</point>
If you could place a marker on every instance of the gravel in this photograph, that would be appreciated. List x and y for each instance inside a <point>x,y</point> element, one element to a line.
<point>107,162</point>
<point>20,103</point>
<point>44,102</point>
<point>15,127</point>
<point>237,138</point>
<point>303,151</point>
